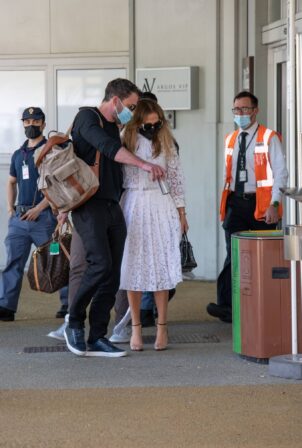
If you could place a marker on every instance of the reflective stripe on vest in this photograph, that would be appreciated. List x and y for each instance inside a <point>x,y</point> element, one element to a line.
<point>261,158</point>
<point>228,152</point>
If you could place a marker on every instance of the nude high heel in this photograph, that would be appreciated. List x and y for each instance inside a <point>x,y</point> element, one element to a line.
<point>136,346</point>
<point>159,346</point>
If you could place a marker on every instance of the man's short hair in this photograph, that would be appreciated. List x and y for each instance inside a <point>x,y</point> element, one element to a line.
<point>120,87</point>
<point>35,113</point>
<point>246,94</point>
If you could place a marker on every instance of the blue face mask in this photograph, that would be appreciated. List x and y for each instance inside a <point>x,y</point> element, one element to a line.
<point>124,116</point>
<point>243,121</point>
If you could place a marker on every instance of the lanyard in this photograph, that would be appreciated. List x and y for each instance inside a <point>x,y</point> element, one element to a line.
<point>26,151</point>
<point>25,156</point>
<point>251,139</point>
<point>241,175</point>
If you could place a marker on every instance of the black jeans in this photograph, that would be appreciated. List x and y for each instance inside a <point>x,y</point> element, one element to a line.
<point>239,217</point>
<point>102,228</point>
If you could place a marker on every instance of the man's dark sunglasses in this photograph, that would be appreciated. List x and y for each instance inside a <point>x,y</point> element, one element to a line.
<point>149,126</point>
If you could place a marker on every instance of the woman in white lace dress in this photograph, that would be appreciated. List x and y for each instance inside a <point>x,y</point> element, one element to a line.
<point>155,221</point>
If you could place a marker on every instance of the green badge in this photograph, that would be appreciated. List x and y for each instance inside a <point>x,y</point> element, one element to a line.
<point>54,248</point>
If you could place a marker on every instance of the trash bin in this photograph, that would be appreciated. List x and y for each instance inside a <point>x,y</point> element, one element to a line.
<point>261,295</point>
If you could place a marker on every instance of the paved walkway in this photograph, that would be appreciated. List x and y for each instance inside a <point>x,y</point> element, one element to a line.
<point>196,394</point>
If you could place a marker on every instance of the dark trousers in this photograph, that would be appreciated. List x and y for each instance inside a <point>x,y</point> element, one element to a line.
<point>239,217</point>
<point>78,265</point>
<point>102,228</point>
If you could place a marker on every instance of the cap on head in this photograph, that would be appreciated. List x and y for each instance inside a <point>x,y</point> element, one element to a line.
<point>34,113</point>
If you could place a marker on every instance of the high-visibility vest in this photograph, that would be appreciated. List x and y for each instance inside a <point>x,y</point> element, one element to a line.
<point>263,172</point>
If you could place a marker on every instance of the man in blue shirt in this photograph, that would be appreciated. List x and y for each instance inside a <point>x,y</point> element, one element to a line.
<point>31,220</point>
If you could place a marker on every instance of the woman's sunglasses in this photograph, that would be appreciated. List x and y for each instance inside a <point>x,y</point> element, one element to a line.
<point>149,126</point>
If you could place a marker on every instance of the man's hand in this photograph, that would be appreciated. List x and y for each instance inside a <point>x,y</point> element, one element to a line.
<point>31,215</point>
<point>271,215</point>
<point>156,171</point>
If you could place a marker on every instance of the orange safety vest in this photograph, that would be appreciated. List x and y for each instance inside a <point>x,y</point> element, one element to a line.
<point>263,172</point>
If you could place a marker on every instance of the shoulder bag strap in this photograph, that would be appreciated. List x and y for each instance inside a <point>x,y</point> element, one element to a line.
<point>55,140</point>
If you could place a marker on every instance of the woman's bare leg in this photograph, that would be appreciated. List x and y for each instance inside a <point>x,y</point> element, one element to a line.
<point>136,341</point>
<point>161,300</point>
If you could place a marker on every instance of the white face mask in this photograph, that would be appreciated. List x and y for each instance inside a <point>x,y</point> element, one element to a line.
<point>243,121</point>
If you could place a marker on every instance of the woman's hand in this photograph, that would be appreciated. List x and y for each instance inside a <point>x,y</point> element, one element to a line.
<point>183,220</point>
<point>156,171</point>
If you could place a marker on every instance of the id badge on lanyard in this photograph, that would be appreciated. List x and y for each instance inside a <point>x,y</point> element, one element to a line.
<point>243,176</point>
<point>25,171</point>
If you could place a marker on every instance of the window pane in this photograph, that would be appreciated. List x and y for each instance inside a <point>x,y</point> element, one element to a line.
<point>18,90</point>
<point>283,9</point>
<point>76,88</point>
<point>299,5</point>
<point>274,10</point>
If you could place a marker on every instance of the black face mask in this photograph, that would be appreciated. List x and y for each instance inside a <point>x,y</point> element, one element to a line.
<point>149,133</point>
<point>149,130</point>
<point>32,131</point>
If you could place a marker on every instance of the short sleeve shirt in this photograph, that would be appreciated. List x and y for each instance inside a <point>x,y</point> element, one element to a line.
<point>28,194</point>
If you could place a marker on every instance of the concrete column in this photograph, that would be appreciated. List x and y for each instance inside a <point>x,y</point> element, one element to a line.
<point>229,38</point>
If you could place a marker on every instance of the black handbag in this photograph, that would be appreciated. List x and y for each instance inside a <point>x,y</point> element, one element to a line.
<point>49,265</point>
<point>188,262</point>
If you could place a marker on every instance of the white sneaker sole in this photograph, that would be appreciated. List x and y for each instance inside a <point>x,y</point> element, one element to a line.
<point>119,340</point>
<point>53,335</point>
<point>72,349</point>
<point>106,354</point>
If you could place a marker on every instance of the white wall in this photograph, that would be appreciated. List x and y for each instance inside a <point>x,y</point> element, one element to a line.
<point>229,15</point>
<point>176,33</point>
<point>63,26</point>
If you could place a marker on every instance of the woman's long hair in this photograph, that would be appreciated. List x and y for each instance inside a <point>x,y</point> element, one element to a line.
<point>163,140</point>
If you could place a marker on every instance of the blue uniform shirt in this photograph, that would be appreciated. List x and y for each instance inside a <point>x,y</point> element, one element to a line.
<point>27,188</point>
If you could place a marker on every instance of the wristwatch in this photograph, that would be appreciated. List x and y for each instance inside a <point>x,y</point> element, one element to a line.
<point>275,204</point>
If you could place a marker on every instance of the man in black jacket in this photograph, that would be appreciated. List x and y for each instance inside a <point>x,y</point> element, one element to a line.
<point>100,222</point>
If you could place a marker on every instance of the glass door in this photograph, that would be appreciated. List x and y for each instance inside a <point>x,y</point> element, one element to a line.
<point>81,87</point>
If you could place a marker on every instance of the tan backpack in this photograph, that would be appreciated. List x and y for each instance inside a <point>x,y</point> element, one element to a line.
<point>65,180</point>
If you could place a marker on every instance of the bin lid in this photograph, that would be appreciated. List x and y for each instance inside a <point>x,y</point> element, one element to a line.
<point>260,234</point>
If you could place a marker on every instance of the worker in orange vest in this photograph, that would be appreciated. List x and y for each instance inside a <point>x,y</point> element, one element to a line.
<point>255,170</point>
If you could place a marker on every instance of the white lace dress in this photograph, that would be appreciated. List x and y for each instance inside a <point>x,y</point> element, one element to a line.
<point>151,260</point>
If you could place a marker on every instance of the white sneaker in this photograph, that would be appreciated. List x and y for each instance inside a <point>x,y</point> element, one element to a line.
<point>59,333</point>
<point>122,336</point>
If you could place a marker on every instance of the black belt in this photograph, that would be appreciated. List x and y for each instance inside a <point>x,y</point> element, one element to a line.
<point>22,208</point>
<point>245,196</point>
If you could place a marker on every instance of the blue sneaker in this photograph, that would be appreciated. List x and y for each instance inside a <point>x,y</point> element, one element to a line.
<point>103,347</point>
<point>75,340</point>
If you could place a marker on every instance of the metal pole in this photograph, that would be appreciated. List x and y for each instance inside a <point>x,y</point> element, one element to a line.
<point>291,7</point>
<point>299,144</point>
